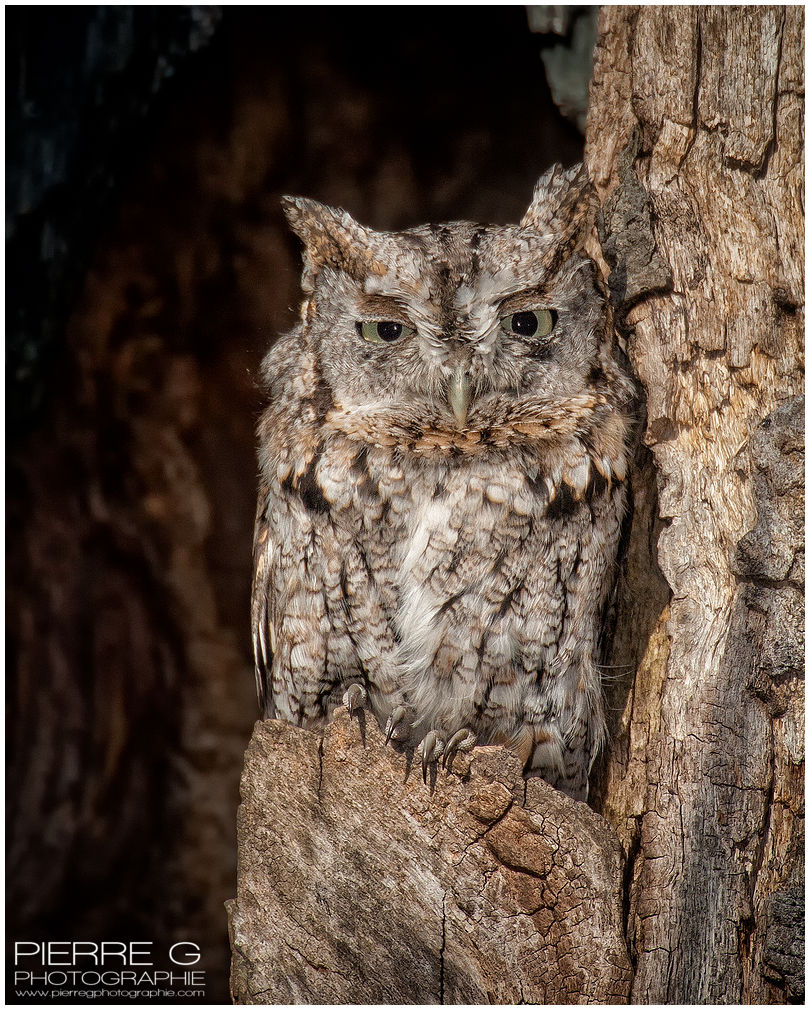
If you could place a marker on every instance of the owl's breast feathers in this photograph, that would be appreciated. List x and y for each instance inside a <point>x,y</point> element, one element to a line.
<point>579,443</point>
<point>427,568</point>
<point>370,474</point>
<point>562,438</point>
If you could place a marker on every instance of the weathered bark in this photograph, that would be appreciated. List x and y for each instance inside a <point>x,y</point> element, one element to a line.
<point>695,138</point>
<point>359,883</point>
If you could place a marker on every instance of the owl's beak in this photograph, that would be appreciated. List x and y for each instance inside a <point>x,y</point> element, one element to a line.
<point>458,395</point>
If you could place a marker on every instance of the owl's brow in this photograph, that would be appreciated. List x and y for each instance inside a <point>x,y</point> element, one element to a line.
<point>533,297</point>
<point>381,307</point>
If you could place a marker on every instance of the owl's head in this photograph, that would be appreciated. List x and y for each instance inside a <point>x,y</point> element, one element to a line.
<point>457,331</point>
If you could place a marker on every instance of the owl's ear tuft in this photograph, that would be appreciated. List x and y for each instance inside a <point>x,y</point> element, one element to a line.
<point>311,220</point>
<point>331,238</point>
<point>564,205</point>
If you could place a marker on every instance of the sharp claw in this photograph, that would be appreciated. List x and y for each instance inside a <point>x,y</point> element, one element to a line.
<point>432,747</point>
<point>394,720</point>
<point>463,740</point>
<point>355,698</point>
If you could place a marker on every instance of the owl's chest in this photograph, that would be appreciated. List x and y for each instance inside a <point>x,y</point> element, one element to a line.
<point>462,543</point>
<point>451,532</point>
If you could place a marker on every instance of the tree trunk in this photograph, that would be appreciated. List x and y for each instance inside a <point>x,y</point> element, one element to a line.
<point>695,130</point>
<point>359,884</point>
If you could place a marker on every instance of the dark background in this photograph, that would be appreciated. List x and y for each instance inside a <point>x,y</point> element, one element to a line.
<point>148,270</point>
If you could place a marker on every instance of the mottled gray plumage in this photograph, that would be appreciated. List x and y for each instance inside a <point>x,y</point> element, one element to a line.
<point>442,483</point>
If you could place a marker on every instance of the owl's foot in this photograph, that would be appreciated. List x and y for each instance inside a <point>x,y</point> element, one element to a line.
<point>355,698</point>
<point>459,743</point>
<point>431,749</point>
<point>397,725</point>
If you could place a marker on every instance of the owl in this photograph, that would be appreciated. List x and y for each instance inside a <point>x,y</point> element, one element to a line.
<point>442,484</point>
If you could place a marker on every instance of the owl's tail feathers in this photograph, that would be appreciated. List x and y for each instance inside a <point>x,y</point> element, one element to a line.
<point>540,747</point>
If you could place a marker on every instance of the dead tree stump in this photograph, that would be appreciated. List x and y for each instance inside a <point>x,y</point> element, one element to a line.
<point>359,883</point>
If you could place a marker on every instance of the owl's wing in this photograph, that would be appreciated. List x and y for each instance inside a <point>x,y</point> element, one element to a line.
<point>261,595</point>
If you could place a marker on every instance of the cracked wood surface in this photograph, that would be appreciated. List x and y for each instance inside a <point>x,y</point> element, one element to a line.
<point>695,133</point>
<point>358,883</point>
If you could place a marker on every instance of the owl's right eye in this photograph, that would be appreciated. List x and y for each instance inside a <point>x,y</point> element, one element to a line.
<point>385,332</point>
<point>535,323</point>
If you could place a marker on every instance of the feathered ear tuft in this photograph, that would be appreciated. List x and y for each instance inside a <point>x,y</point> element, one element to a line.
<point>564,205</point>
<point>331,238</point>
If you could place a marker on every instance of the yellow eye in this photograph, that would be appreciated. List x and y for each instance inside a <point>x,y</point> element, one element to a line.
<point>533,324</point>
<point>385,332</point>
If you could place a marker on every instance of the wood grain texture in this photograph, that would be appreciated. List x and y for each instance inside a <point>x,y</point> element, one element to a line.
<point>700,111</point>
<point>358,883</point>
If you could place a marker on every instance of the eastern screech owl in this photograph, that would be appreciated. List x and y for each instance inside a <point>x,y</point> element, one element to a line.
<point>442,467</point>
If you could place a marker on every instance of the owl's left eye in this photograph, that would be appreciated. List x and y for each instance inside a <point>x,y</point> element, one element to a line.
<point>535,323</point>
<point>385,332</point>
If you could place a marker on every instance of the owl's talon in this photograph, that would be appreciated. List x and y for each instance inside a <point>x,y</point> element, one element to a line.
<point>395,719</point>
<point>460,743</point>
<point>431,747</point>
<point>355,698</point>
